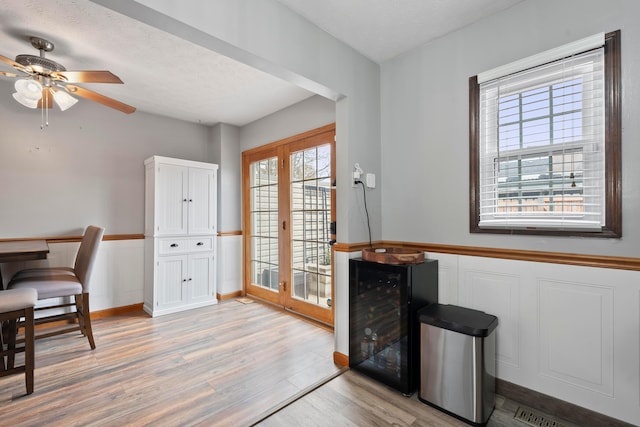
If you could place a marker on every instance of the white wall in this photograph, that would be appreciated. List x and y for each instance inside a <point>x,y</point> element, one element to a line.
<point>425,131</point>
<point>86,167</point>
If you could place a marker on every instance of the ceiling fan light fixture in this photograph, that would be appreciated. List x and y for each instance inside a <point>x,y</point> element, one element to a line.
<point>46,83</point>
<point>30,103</point>
<point>64,100</point>
<point>29,89</point>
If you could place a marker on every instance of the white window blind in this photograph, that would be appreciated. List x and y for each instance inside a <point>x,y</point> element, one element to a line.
<point>541,153</point>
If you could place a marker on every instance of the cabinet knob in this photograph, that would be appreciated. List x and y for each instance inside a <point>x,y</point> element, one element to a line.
<point>191,200</point>
<point>199,244</point>
<point>184,200</point>
<point>174,245</point>
<point>184,280</point>
<point>190,279</point>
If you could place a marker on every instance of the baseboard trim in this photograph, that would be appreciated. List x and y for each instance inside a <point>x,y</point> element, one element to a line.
<point>235,294</point>
<point>115,311</point>
<point>340,359</point>
<point>554,406</point>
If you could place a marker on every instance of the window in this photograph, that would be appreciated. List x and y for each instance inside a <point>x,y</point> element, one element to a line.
<point>545,143</point>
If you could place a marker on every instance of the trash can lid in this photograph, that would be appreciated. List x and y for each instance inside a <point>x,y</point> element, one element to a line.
<point>458,319</point>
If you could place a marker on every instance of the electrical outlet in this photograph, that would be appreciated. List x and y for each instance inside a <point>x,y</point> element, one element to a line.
<point>357,175</point>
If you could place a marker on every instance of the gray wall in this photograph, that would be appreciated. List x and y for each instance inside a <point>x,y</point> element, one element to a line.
<point>425,142</point>
<point>309,114</point>
<point>225,152</point>
<point>86,167</point>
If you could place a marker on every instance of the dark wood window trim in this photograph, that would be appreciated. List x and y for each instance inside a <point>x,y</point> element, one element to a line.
<point>613,152</point>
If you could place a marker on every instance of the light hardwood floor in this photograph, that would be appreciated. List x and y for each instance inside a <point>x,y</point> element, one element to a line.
<point>352,399</point>
<point>219,365</point>
<point>231,365</point>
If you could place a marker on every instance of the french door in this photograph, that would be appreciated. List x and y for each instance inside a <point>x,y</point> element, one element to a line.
<point>288,209</point>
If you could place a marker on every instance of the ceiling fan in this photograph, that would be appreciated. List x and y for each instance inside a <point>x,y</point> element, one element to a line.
<point>47,81</point>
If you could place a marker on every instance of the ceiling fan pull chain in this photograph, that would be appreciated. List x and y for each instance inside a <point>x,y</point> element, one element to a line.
<point>45,111</point>
<point>42,114</point>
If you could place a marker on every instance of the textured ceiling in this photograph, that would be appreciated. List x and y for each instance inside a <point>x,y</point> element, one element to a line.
<point>168,76</point>
<point>162,74</point>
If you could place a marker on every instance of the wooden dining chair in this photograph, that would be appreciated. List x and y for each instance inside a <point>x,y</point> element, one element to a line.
<point>65,283</point>
<point>16,306</point>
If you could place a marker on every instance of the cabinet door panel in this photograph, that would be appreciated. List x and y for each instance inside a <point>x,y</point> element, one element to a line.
<point>172,273</point>
<point>172,199</point>
<point>200,281</point>
<point>202,201</point>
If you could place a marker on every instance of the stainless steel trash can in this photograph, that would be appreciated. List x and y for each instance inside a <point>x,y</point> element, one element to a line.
<point>457,361</point>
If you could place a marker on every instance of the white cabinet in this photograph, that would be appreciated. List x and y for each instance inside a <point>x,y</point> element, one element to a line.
<point>180,233</point>
<point>181,199</point>
<point>184,281</point>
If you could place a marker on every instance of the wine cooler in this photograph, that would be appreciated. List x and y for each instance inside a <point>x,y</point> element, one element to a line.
<point>383,323</point>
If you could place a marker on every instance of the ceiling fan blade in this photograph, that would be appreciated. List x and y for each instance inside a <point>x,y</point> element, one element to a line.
<point>96,97</point>
<point>5,73</point>
<point>88,76</point>
<point>9,61</point>
<point>46,100</point>
<point>14,64</point>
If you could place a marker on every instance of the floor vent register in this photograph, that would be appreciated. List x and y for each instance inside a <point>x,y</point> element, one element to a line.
<point>536,419</point>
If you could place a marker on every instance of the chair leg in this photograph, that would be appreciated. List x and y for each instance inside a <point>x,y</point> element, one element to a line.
<point>79,314</point>
<point>3,337</point>
<point>29,350</point>
<point>12,331</point>
<point>84,318</point>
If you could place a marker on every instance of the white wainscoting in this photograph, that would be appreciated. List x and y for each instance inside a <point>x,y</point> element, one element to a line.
<point>117,278</point>
<point>566,331</point>
<point>229,264</point>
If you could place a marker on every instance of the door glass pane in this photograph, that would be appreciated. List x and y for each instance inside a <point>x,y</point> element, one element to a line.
<point>310,219</point>
<point>264,223</point>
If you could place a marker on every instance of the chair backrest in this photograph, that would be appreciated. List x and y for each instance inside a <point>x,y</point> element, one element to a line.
<point>87,254</point>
